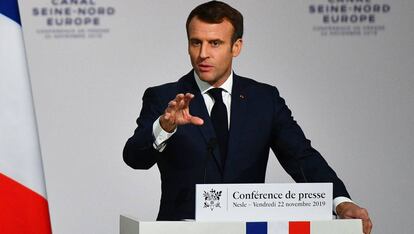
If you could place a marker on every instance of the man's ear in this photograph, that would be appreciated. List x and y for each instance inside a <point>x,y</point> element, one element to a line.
<point>237,46</point>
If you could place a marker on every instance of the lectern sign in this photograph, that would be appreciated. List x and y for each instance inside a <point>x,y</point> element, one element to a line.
<point>259,202</point>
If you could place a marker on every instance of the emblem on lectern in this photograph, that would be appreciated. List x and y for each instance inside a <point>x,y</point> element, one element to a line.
<point>212,199</point>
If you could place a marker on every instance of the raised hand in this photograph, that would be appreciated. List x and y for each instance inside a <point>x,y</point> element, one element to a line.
<point>178,113</point>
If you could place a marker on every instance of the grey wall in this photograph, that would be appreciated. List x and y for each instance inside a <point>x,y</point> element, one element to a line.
<point>353,97</point>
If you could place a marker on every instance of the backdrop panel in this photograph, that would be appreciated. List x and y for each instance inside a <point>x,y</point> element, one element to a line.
<point>91,62</point>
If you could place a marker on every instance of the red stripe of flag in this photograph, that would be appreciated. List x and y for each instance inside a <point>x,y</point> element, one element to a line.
<point>21,209</point>
<point>296,227</point>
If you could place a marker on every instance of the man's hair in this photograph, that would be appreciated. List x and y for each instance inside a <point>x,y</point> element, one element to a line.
<point>215,12</point>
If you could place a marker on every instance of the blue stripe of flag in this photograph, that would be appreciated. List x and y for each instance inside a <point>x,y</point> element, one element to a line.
<point>10,8</point>
<point>256,228</point>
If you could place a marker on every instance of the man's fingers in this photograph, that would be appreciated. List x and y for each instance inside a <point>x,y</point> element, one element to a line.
<point>362,213</point>
<point>196,120</point>
<point>184,100</point>
<point>187,98</point>
<point>171,109</point>
<point>181,104</point>
<point>181,101</point>
<point>189,95</point>
<point>366,221</point>
<point>348,210</point>
<point>172,105</point>
<point>178,98</point>
<point>178,112</point>
<point>367,225</point>
<point>358,213</point>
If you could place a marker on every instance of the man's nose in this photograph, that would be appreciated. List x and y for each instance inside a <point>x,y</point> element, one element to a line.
<point>204,51</point>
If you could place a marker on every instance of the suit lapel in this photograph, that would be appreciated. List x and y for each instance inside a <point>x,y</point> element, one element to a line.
<point>198,108</point>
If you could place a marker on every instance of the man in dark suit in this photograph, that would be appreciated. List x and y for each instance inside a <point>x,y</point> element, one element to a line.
<point>213,126</point>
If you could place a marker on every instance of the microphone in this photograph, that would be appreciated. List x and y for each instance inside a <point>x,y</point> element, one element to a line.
<point>302,173</point>
<point>211,145</point>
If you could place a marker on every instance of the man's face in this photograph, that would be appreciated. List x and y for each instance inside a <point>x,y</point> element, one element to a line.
<point>211,51</point>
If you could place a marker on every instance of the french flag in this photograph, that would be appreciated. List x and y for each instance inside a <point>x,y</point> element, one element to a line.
<point>292,227</point>
<point>23,203</point>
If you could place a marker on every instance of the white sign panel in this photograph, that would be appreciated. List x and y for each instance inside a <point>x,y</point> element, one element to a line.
<point>260,202</point>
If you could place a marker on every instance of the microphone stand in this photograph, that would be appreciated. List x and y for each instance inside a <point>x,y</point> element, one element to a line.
<point>210,148</point>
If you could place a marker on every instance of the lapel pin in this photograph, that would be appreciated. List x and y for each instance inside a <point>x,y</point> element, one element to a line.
<point>241,96</point>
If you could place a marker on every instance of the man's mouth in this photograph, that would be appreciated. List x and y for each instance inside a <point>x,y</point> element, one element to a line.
<point>204,67</point>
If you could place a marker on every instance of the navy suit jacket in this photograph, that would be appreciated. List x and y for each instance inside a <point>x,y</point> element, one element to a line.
<point>259,121</point>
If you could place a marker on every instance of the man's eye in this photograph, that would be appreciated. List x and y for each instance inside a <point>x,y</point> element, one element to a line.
<point>215,43</point>
<point>195,43</point>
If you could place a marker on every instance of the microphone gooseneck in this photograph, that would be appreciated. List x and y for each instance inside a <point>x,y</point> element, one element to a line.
<point>212,143</point>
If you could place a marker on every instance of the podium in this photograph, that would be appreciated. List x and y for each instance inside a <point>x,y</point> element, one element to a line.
<point>129,225</point>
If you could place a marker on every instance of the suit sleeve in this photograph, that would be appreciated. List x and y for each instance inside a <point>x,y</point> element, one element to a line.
<point>139,152</point>
<point>295,153</point>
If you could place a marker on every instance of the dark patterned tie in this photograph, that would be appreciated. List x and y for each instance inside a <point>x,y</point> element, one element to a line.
<point>219,120</point>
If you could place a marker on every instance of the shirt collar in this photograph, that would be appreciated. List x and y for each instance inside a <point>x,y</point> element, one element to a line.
<point>204,86</point>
